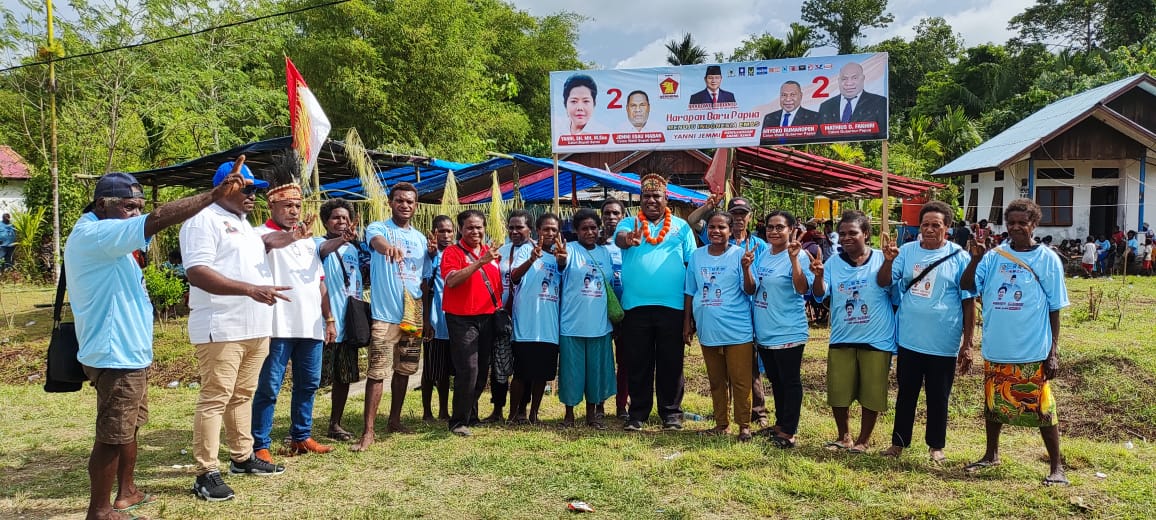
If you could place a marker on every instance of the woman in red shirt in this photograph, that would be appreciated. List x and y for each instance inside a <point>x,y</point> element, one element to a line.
<point>473,293</point>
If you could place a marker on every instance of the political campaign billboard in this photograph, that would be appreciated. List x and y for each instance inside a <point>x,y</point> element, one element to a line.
<point>789,101</point>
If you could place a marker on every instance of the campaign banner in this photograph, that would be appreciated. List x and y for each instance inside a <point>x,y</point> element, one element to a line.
<point>790,101</point>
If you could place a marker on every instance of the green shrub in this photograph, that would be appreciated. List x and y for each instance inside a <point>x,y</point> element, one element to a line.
<point>166,290</point>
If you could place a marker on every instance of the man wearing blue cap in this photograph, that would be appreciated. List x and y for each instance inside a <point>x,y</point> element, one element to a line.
<point>227,270</point>
<point>114,324</point>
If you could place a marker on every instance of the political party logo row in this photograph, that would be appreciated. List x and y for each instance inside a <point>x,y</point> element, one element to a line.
<point>796,101</point>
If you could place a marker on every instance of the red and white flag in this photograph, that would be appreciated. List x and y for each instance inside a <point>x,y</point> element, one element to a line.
<point>716,174</point>
<point>309,125</point>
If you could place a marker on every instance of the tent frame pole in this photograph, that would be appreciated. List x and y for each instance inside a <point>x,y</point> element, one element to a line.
<point>557,202</point>
<point>886,200</point>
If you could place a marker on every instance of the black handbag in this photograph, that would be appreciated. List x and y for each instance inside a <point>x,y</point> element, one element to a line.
<point>358,321</point>
<point>64,372</point>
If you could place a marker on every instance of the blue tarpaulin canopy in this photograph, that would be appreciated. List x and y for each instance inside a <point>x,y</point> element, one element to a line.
<point>431,170</point>
<point>535,180</point>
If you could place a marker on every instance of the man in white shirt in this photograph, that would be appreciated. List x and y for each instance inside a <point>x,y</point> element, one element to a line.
<point>226,267</point>
<point>299,326</point>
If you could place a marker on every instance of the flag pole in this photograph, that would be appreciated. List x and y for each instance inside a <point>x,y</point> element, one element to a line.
<point>557,203</point>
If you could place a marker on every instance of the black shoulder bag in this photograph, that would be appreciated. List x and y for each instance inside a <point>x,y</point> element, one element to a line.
<point>358,319</point>
<point>64,372</point>
<point>926,271</point>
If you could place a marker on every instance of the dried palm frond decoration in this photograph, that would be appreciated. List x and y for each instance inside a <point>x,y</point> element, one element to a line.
<point>450,204</point>
<point>496,221</point>
<point>376,207</point>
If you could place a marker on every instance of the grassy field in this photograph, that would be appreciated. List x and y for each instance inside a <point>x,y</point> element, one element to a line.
<point>1107,393</point>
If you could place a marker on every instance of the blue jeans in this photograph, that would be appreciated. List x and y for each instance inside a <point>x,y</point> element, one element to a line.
<point>306,357</point>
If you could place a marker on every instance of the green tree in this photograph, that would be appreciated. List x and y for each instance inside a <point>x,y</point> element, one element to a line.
<point>956,132</point>
<point>684,52</point>
<point>1127,22</point>
<point>1076,22</point>
<point>936,46</point>
<point>766,46</point>
<point>841,22</point>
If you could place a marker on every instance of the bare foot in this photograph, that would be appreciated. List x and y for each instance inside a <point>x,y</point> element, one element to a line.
<point>136,498</point>
<point>858,448</point>
<point>937,456</point>
<point>363,443</point>
<point>397,428</point>
<point>892,452</point>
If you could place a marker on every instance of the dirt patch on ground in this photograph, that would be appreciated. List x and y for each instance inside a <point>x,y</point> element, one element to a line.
<point>1108,398</point>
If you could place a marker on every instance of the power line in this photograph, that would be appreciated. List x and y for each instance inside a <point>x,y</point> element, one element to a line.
<point>179,36</point>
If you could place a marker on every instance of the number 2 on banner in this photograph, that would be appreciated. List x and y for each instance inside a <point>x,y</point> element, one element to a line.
<point>823,82</point>
<point>617,96</point>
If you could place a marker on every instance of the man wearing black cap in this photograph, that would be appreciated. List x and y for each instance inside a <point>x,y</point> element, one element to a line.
<point>227,270</point>
<point>712,95</point>
<point>114,324</point>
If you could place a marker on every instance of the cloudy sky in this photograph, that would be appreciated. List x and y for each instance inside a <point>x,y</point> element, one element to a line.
<point>633,33</point>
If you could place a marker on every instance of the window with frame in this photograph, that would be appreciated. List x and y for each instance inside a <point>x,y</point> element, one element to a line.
<point>974,178</point>
<point>1056,173</point>
<point>1105,173</point>
<point>999,175</point>
<point>995,216</point>
<point>972,208</point>
<point>1055,205</point>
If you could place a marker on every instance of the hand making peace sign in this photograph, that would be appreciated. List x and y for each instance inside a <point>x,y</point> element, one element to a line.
<point>560,253</point>
<point>890,249</point>
<point>793,244</point>
<point>634,238</point>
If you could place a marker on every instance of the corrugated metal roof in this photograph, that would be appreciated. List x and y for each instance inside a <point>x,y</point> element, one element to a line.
<point>1030,131</point>
<point>12,166</point>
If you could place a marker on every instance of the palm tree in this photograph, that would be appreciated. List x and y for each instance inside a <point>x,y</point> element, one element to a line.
<point>799,41</point>
<point>956,132</point>
<point>917,137</point>
<point>684,52</point>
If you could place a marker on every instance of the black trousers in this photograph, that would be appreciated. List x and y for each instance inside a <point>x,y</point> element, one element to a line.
<point>651,337</point>
<point>784,368</point>
<point>913,371</point>
<point>471,341</point>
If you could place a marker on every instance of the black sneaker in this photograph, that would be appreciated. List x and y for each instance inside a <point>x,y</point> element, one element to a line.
<point>212,488</point>
<point>255,466</point>
<point>633,426</point>
<point>672,425</point>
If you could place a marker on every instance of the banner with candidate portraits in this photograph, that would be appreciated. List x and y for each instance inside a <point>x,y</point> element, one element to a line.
<point>790,101</point>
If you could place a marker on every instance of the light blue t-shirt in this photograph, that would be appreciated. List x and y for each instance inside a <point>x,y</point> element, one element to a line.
<point>616,258</point>
<point>722,310</point>
<point>654,274</point>
<point>536,301</point>
<point>584,292</point>
<point>1016,328</point>
<point>387,278</point>
<point>7,234</point>
<point>780,312</point>
<point>930,318</point>
<point>509,262</point>
<point>751,242</point>
<point>106,289</point>
<point>860,309</point>
<point>335,281</point>
<point>437,317</point>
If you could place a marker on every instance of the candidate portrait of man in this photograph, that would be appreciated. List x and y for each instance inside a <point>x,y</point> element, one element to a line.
<point>637,111</point>
<point>853,104</point>
<point>713,94</point>
<point>791,112</point>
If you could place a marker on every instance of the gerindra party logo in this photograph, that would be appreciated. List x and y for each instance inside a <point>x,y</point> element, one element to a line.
<point>668,86</point>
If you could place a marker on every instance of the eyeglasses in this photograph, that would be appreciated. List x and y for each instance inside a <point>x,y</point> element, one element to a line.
<point>779,227</point>
<point>249,190</point>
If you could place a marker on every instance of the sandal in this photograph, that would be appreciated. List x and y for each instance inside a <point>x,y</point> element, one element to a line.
<point>979,465</point>
<point>597,424</point>
<point>782,443</point>
<point>339,435</point>
<point>713,432</point>
<point>1056,481</point>
<point>835,446</point>
<point>745,436</point>
<point>145,500</point>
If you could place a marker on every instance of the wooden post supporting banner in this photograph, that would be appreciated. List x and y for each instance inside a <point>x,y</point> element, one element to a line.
<point>557,203</point>
<point>886,201</point>
<point>573,190</point>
